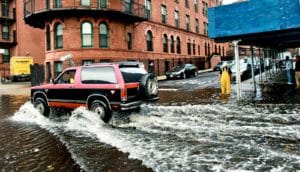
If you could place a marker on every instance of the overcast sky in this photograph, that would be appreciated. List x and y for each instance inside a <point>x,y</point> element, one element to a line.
<point>228,1</point>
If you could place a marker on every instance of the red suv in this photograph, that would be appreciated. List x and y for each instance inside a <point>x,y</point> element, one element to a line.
<point>102,88</point>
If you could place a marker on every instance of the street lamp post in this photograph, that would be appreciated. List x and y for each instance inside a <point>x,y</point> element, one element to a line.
<point>238,75</point>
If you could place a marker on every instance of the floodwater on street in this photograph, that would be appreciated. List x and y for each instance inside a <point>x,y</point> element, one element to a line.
<point>190,129</point>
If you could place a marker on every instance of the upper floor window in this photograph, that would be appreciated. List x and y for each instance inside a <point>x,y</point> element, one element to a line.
<point>187,3</point>
<point>176,19</point>
<point>165,43</point>
<point>58,35</point>
<point>87,34</point>
<point>102,3</point>
<point>148,8</point>
<point>5,32</point>
<point>178,45</point>
<point>197,26</point>
<point>163,14</point>
<point>196,5</point>
<point>129,41</point>
<point>149,41</point>
<point>48,38</point>
<point>58,68</point>
<point>4,9</point>
<point>172,44</point>
<point>6,56</point>
<point>128,6</point>
<point>104,35</point>
<point>57,4</point>
<point>187,20</point>
<point>85,2</point>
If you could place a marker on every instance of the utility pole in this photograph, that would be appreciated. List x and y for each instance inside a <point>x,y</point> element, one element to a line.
<point>238,75</point>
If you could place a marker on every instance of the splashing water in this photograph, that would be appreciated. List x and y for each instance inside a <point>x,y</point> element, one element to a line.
<point>190,137</point>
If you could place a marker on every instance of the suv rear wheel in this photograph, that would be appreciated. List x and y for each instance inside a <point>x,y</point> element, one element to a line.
<point>100,108</point>
<point>149,85</point>
<point>41,105</point>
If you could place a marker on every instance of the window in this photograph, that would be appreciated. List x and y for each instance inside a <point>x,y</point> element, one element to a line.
<point>172,44</point>
<point>203,8</point>
<point>98,75</point>
<point>102,3</point>
<point>187,3</point>
<point>208,49</point>
<point>178,46</point>
<point>205,48</point>
<point>103,36</point>
<point>196,5</point>
<point>187,20</point>
<point>177,19</point>
<point>87,62</point>
<point>194,48</point>
<point>86,34</point>
<point>149,41</point>
<point>189,47</point>
<point>165,43</point>
<point>163,14</point>
<point>58,36</point>
<point>48,38</point>
<point>128,6</point>
<point>58,68</point>
<point>4,9</point>
<point>199,50</point>
<point>197,25</point>
<point>67,77</point>
<point>216,49</point>
<point>6,56</point>
<point>205,30</point>
<point>5,32</point>
<point>129,41</point>
<point>85,2</point>
<point>148,9</point>
<point>57,4</point>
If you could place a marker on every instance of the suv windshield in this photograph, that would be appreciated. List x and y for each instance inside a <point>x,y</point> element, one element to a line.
<point>132,74</point>
<point>98,75</point>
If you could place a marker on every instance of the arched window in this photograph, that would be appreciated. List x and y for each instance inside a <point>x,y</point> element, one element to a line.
<point>205,45</point>
<point>58,36</point>
<point>102,3</point>
<point>165,43</point>
<point>178,45</point>
<point>189,46</point>
<point>172,44</point>
<point>87,34</point>
<point>48,38</point>
<point>208,49</point>
<point>216,49</point>
<point>219,49</point>
<point>103,36</point>
<point>149,41</point>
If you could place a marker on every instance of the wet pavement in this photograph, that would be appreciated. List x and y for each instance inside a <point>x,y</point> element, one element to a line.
<point>191,128</point>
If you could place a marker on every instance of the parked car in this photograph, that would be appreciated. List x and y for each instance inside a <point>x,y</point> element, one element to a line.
<point>102,88</point>
<point>218,66</point>
<point>245,70</point>
<point>182,71</point>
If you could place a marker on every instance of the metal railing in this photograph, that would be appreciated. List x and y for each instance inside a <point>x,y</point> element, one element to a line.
<point>135,8</point>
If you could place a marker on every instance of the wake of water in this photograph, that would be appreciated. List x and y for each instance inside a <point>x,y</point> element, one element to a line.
<point>190,137</point>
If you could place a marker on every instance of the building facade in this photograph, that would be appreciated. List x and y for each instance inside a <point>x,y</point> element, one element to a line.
<point>17,38</point>
<point>159,33</point>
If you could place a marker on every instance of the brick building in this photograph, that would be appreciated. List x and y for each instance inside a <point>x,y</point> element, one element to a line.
<point>159,32</point>
<point>17,38</point>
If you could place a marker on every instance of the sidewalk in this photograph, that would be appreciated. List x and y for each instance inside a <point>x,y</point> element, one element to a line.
<point>15,88</point>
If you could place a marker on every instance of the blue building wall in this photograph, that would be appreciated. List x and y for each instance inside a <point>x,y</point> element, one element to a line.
<point>253,16</point>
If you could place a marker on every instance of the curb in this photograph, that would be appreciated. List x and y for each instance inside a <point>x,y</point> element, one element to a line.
<point>163,77</point>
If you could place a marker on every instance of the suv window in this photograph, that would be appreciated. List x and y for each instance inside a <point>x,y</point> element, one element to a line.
<point>67,77</point>
<point>98,75</point>
<point>132,74</point>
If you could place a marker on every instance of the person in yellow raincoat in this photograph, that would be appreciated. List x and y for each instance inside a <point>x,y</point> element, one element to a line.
<point>225,77</point>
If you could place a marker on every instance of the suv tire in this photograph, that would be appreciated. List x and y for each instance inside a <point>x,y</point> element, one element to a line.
<point>41,105</point>
<point>149,85</point>
<point>100,108</point>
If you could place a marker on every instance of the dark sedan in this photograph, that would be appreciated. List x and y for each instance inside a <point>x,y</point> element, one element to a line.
<point>182,71</point>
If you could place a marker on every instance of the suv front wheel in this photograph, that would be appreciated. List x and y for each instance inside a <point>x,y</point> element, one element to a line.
<point>100,108</point>
<point>149,86</point>
<point>41,105</point>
